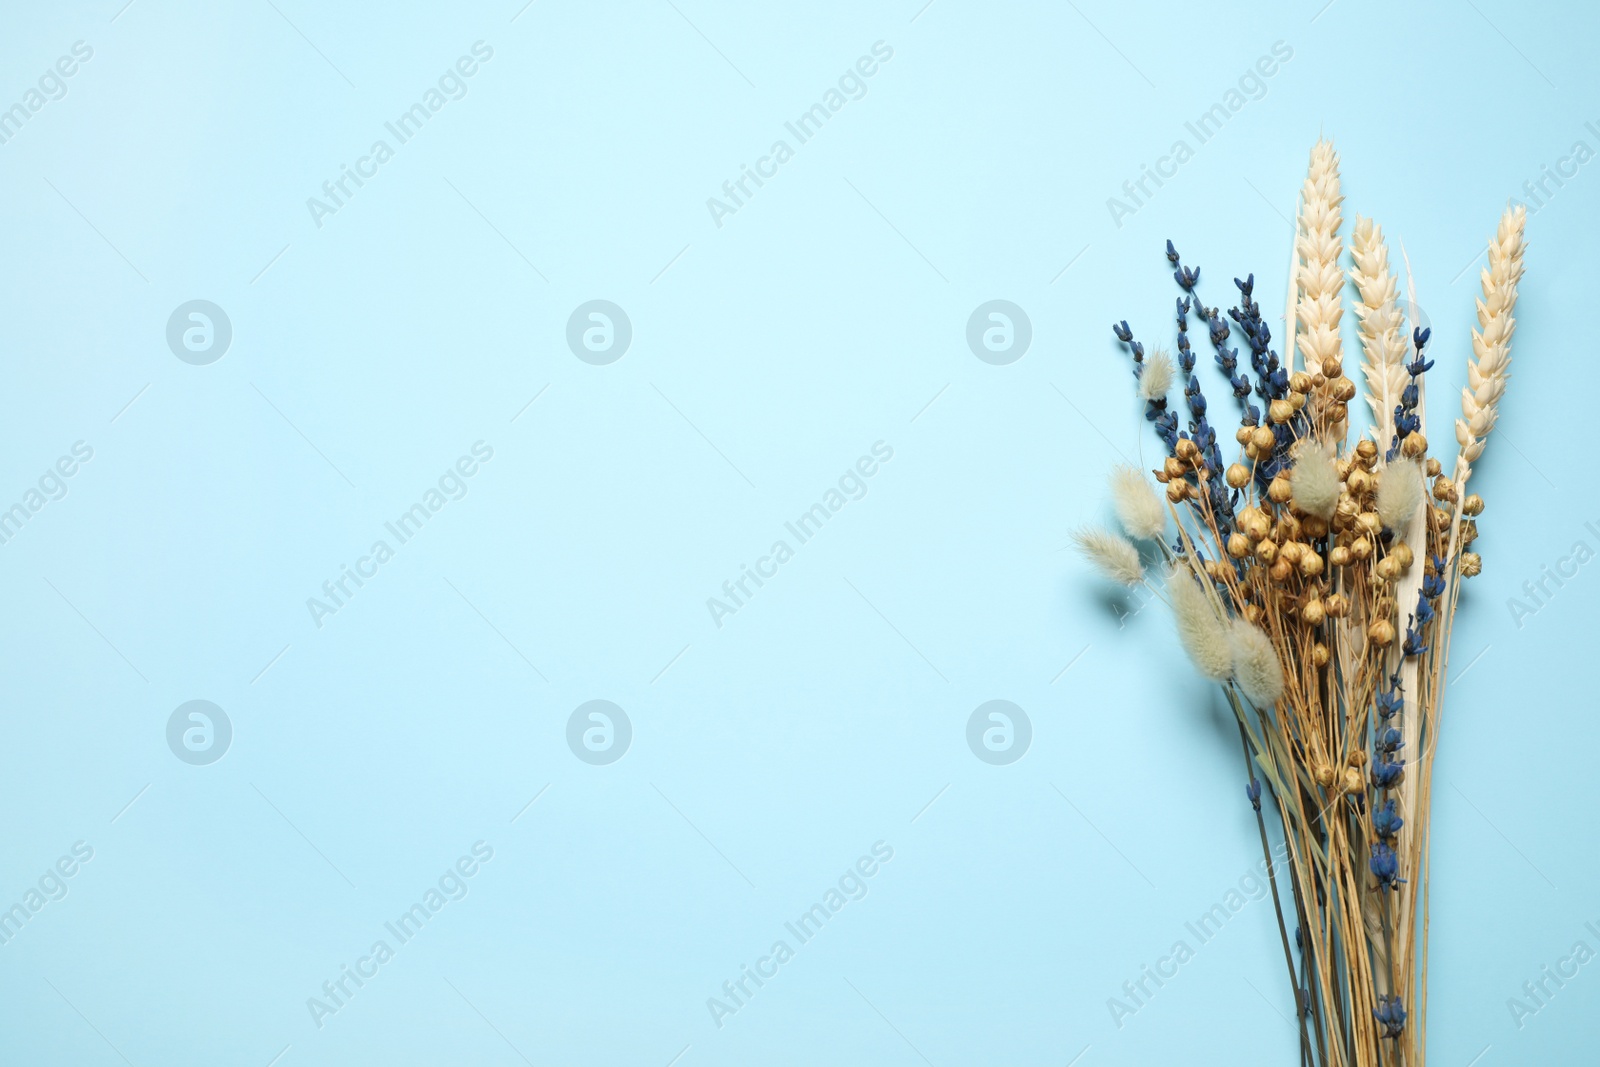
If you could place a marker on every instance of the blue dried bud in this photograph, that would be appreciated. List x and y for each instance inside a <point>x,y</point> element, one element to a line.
<point>1386,822</point>
<point>1219,329</point>
<point>1391,1014</point>
<point>1385,774</point>
<point>1425,611</point>
<point>1385,866</point>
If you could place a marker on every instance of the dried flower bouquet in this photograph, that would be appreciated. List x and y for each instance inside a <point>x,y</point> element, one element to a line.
<point>1316,578</point>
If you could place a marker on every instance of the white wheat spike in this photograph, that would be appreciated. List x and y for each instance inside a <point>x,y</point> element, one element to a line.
<point>1489,369</point>
<point>1382,323</point>
<point>1294,296</point>
<point>1319,279</point>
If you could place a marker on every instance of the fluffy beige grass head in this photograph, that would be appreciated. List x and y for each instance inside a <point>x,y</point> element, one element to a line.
<point>1140,508</point>
<point>1155,381</point>
<point>1112,554</point>
<point>1255,664</point>
<point>1399,493</point>
<point>1314,480</point>
<point>1201,630</point>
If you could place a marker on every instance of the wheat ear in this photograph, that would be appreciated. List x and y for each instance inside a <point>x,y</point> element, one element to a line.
<point>1489,369</point>
<point>1383,341</point>
<point>1319,278</point>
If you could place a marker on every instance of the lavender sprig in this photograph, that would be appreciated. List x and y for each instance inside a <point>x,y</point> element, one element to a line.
<point>1406,419</point>
<point>1155,409</point>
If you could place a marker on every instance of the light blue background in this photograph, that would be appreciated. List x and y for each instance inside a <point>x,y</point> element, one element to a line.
<point>768,354</point>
